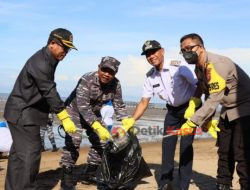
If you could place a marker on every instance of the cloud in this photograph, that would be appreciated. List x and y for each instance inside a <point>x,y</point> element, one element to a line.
<point>62,77</point>
<point>240,56</point>
<point>132,71</point>
<point>67,77</point>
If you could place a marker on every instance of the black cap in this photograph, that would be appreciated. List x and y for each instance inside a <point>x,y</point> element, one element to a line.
<point>64,36</point>
<point>109,62</point>
<point>150,45</point>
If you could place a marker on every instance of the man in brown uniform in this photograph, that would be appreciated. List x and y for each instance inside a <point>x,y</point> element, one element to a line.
<point>223,82</point>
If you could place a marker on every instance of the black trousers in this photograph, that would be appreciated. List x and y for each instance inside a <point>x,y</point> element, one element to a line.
<point>234,146</point>
<point>24,157</point>
<point>173,121</point>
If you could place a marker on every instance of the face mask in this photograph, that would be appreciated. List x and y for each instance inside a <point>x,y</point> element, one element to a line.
<point>191,57</point>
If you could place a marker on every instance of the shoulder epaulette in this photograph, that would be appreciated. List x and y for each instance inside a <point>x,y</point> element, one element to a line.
<point>150,72</point>
<point>175,63</point>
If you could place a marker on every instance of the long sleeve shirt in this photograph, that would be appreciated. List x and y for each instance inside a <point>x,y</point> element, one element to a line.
<point>34,93</point>
<point>88,97</point>
<point>225,83</point>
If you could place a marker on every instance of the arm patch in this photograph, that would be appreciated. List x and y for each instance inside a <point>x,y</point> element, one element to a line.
<point>215,82</point>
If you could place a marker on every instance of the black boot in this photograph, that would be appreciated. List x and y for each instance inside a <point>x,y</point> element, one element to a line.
<point>43,148</point>
<point>222,187</point>
<point>54,149</point>
<point>68,179</point>
<point>89,173</point>
<point>166,187</point>
<point>244,187</point>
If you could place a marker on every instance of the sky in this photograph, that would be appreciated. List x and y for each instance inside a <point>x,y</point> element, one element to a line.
<point>118,29</point>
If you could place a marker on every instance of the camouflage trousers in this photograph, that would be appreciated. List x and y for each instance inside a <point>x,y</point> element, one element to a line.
<point>49,129</point>
<point>70,151</point>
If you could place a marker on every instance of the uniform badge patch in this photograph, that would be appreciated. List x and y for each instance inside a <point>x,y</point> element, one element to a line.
<point>71,38</point>
<point>147,45</point>
<point>156,85</point>
<point>175,63</point>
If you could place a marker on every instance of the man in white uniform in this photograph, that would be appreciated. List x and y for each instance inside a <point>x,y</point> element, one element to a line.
<point>175,84</point>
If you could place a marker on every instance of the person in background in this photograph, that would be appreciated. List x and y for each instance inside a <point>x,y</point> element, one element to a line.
<point>49,129</point>
<point>5,139</point>
<point>225,83</point>
<point>107,112</point>
<point>34,95</point>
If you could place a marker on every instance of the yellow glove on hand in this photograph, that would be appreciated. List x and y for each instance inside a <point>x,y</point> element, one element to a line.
<point>67,123</point>
<point>212,128</point>
<point>127,123</point>
<point>101,131</point>
<point>193,103</point>
<point>187,128</point>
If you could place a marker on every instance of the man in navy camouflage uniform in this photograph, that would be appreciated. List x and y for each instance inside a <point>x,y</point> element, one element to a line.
<point>49,128</point>
<point>83,105</point>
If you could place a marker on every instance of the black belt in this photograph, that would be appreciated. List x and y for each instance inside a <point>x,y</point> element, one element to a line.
<point>185,105</point>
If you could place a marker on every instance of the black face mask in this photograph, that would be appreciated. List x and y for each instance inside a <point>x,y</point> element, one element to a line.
<point>191,57</point>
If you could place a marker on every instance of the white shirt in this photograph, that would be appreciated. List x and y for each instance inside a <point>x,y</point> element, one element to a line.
<point>175,84</point>
<point>107,112</point>
<point>5,139</point>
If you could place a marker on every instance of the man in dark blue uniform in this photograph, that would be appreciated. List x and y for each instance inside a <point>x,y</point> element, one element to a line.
<point>27,108</point>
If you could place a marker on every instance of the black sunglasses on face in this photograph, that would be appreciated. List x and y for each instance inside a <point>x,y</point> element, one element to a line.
<point>108,70</point>
<point>188,48</point>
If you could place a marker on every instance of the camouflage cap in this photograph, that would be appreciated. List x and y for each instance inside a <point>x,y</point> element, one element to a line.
<point>64,36</point>
<point>150,45</point>
<point>109,62</point>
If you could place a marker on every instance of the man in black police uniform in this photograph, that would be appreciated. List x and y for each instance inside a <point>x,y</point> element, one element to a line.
<point>27,108</point>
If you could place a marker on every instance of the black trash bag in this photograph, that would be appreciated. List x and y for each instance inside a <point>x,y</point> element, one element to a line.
<point>122,164</point>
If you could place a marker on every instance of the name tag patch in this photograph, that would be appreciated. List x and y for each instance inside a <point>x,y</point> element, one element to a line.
<point>156,85</point>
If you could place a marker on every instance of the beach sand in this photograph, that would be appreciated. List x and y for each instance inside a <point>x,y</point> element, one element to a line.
<point>204,167</point>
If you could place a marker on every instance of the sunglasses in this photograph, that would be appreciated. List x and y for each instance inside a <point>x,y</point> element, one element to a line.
<point>188,48</point>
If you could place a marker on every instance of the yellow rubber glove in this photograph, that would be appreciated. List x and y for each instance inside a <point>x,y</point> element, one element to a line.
<point>101,131</point>
<point>212,128</point>
<point>127,123</point>
<point>187,128</point>
<point>67,123</point>
<point>122,131</point>
<point>193,103</point>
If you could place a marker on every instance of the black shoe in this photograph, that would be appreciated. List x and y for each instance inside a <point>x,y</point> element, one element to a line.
<point>165,187</point>
<point>68,180</point>
<point>54,149</point>
<point>89,174</point>
<point>67,188</point>
<point>222,187</point>
<point>90,169</point>
<point>244,187</point>
<point>43,149</point>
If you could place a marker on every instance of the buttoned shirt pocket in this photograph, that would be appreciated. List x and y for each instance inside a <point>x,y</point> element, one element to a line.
<point>158,90</point>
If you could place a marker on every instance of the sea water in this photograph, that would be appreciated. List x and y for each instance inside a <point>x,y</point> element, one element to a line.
<point>149,130</point>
